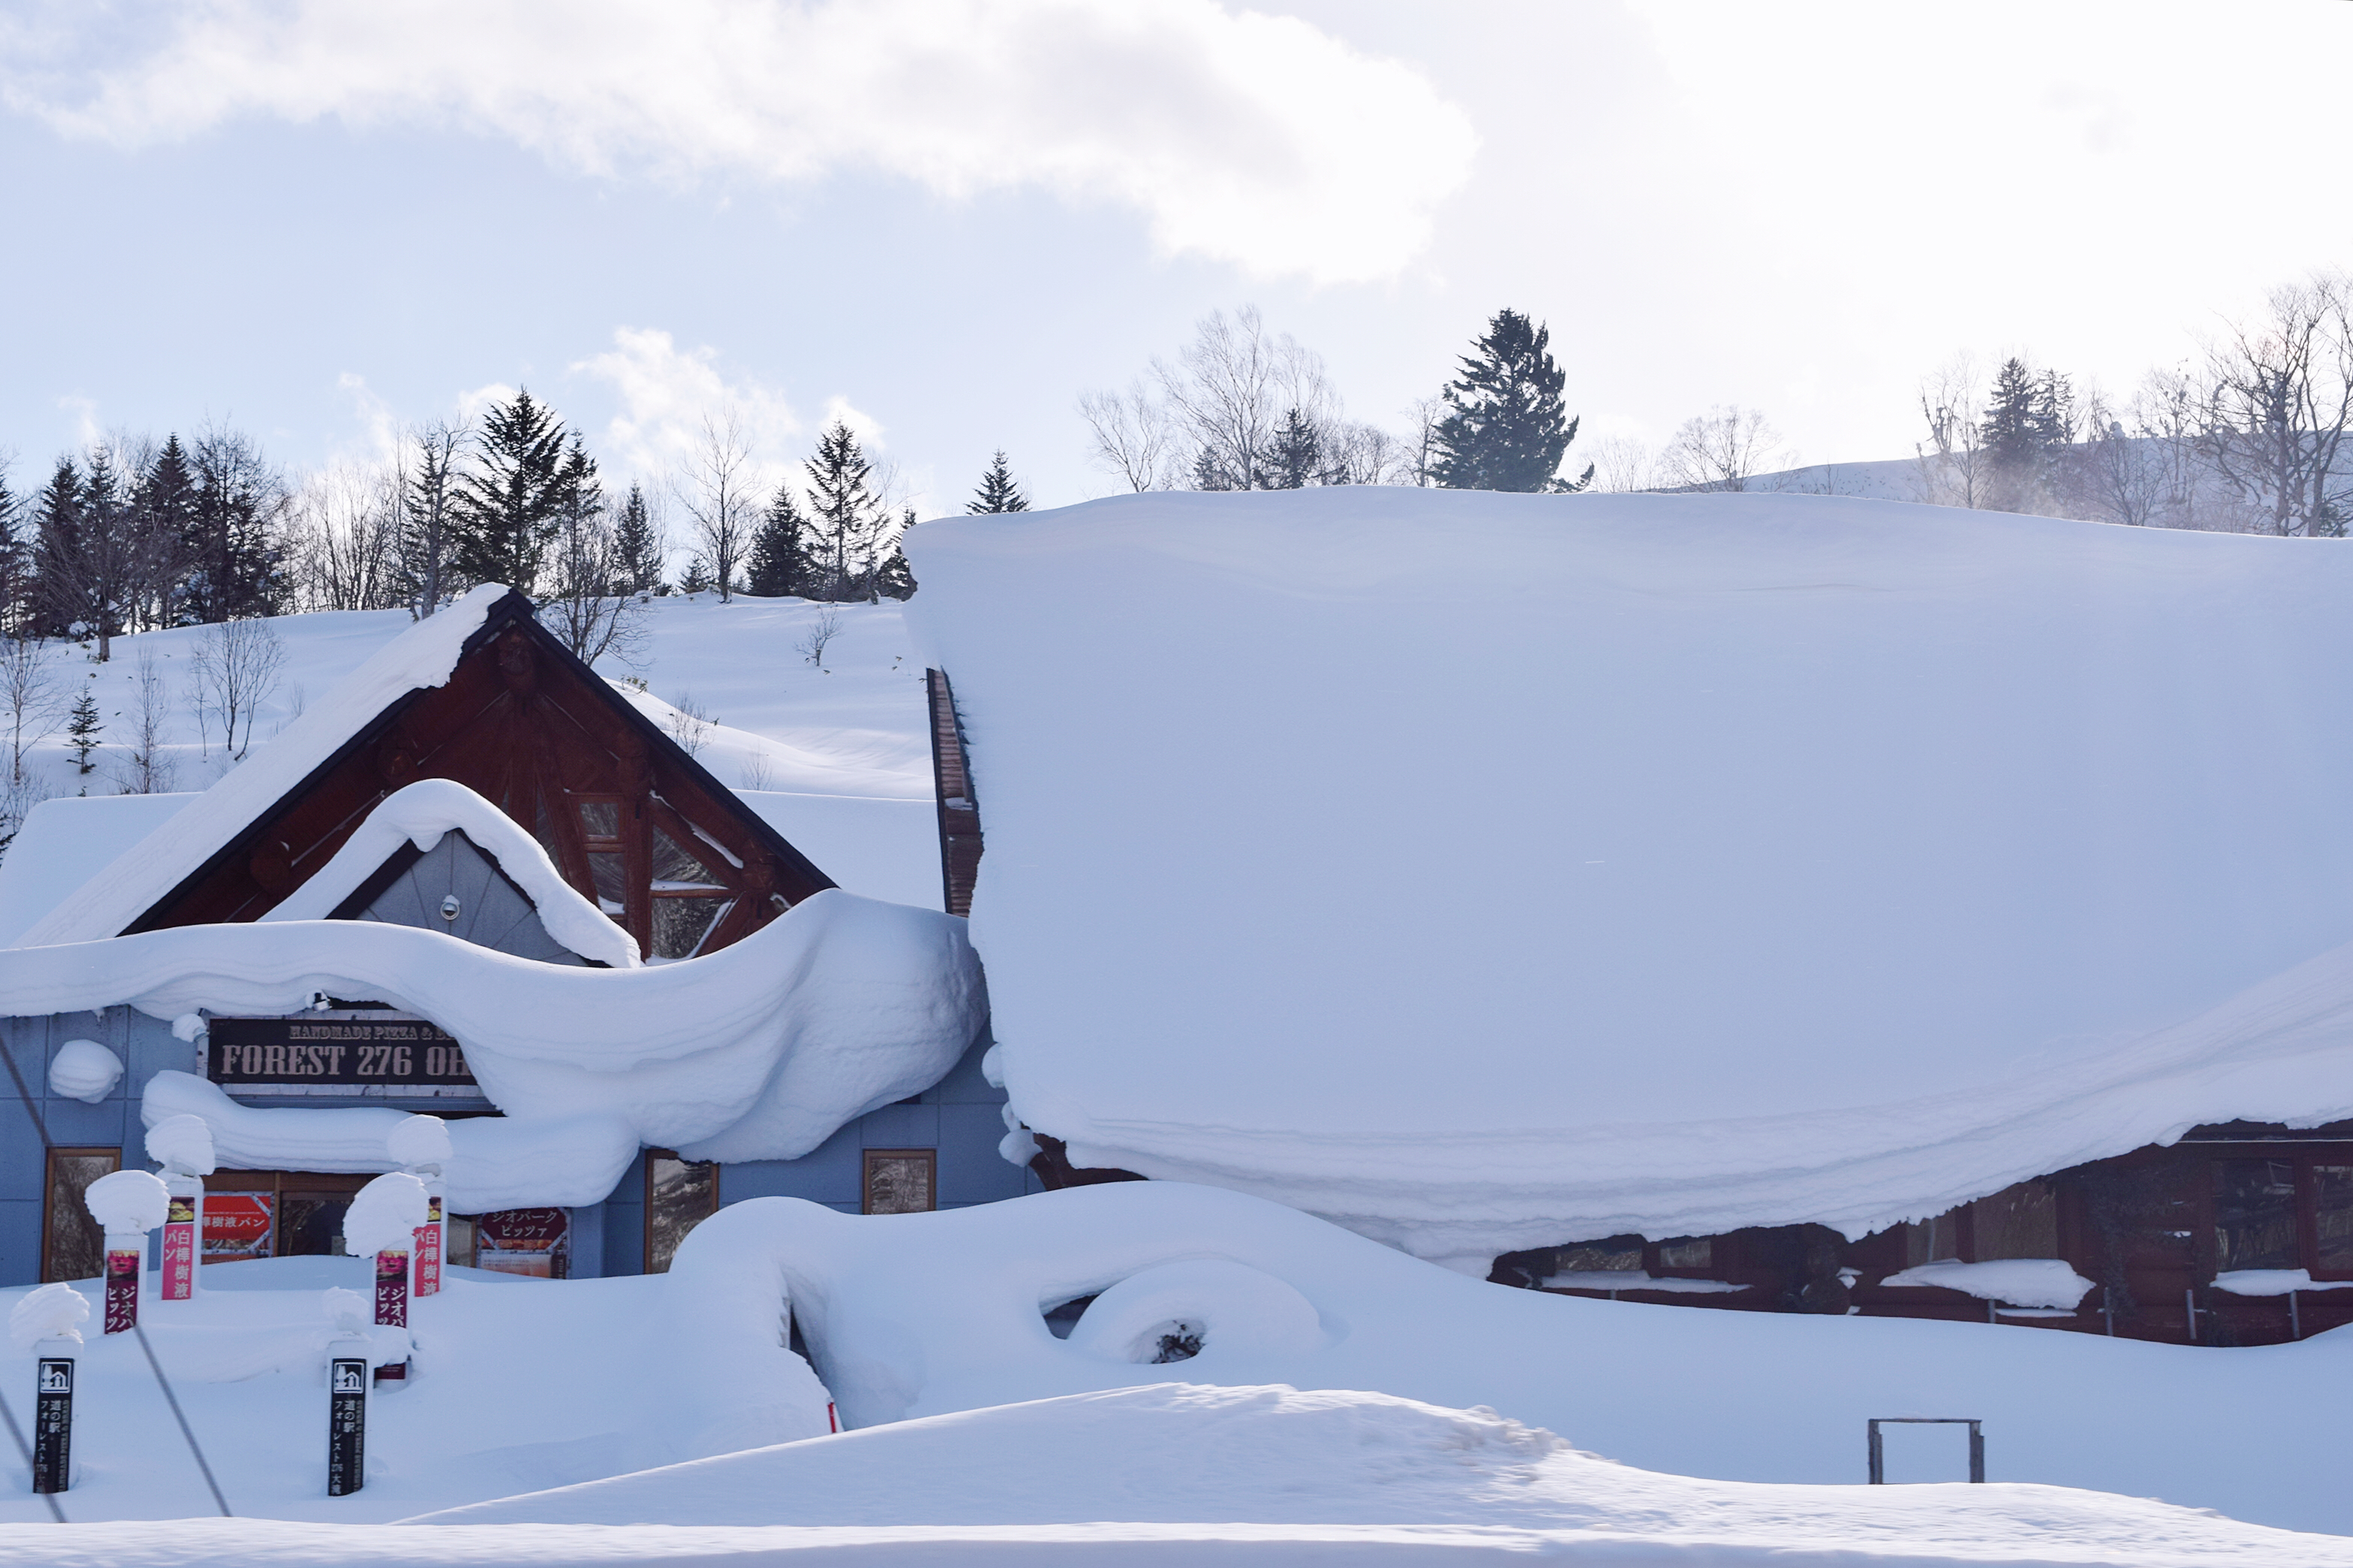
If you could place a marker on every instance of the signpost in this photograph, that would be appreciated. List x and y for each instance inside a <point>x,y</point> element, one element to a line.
<point>347,1397</point>
<point>53,1415</point>
<point>428,1241</point>
<point>124,1255</point>
<point>182,1223</point>
<point>1878,1457</point>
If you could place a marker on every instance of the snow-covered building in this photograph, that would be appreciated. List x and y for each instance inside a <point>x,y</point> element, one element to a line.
<point>476,881</point>
<point>1766,902</point>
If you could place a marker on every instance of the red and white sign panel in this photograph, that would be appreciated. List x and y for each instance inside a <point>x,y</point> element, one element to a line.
<point>523,1241</point>
<point>237,1225</point>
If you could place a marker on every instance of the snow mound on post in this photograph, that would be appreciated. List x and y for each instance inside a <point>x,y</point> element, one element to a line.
<point>182,1145</point>
<point>124,1200</point>
<point>1681,863</point>
<point>422,656</point>
<point>53,1311</point>
<point>385,1215</point>
<point>420,814</point>
<point>84,1070</point>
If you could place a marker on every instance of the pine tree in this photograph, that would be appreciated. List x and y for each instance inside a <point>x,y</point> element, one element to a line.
<point>83,726</point>
<point>234,555</point>
<point>1507,427</point>
<point>780,564</point>
<point>166,503</point>
<point>696,578</point>
<point>2029,426</point>
<point>511,502</point>
<point>845,516</point>
<point>637,549</point>
<point>998,492</point>
<point>15,561</point>
<point>57,539</point>
<point>892,579</point>
<point>1296,455</point>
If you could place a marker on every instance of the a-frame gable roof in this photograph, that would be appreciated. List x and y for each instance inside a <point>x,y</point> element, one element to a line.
<point>483,694</point>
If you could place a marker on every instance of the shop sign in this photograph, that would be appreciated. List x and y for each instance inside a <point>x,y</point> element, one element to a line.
<point>237,1225</point>
<point>122,1264</point>
<point>53,1424</point>
<point>180,1248</point>
<point>523,1241</point>
<point>347,1396</point>
<point>341,1051</point>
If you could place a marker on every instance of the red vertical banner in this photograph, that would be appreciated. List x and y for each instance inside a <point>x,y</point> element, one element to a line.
<point>180,1249</point>
<point>123,1287</point>
<point>428,1248</point>
<point>391,1289</point>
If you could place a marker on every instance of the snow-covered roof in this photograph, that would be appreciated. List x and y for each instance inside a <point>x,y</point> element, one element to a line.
<point>109,901</point>
<point>419,813</point>
<point>1491,871</point>
<point>65,842</point>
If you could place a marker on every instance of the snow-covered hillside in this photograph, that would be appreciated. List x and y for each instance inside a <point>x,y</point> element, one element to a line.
<point>836,756</point>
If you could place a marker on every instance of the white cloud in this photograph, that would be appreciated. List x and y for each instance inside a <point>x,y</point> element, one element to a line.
<point>1256,140</point>
<point>862,424</point>
<point>85,417</point>
<point>667,392</point>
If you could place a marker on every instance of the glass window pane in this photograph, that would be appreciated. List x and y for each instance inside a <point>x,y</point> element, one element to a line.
<point>1700,1254</point>
<point>674,867</point>
<point>73,1246</point>
<point>2332,1193</point>
<point>680,1195</point>
<point>898,1181</point>
<point>681,924</point>
<point>1607,1256</point>
<point>2017,1222</point>
<point>601,818</point>
<point>611,875</point>
<point>2254,1214</point>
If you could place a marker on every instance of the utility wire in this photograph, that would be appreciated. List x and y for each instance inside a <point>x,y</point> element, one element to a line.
<point>177,1414</point>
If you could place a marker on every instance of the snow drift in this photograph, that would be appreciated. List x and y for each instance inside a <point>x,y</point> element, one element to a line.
<point>1688,863</point>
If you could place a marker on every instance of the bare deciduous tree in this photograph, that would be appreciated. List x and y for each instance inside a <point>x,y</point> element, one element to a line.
<point>690,723</point>
<point>821,632</point>
<point>586,609</point>
<point>1954,466</point>
<point>1133,436</point>
<point>430,486</point>
<point>147,769</point>
<point>345,527</point>
<point>1232,388</point>
<point>236,666</point>
<point>1621,465</point>
<point>29,687</point>
<point>719,492</point>
<point>1722,449</point>
<point>2279,402</point>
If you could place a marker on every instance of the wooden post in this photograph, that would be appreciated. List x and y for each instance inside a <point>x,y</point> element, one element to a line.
<point>53,1414</point>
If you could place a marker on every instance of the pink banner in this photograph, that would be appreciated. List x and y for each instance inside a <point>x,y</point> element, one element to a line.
<point>122,1289</point>
<point>428,1249</point>
<point>392,1290</point>
<point>180,1250</point>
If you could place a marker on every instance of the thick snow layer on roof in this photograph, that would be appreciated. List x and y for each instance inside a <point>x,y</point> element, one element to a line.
<point>1488,871</point>
<point>422,656</point>
<point>881,847</point>
<point>65,842</point>
<point>758,1051</point>
<point>420,814</point>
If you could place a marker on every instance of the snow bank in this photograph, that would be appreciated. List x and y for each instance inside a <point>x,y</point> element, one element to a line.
<point>417,1140</point>
<point>385,1215</point>
<point>84,1070</point>
<point>2274,1281</point>
<point>124,1200</point>
<point>1712,861</point>
<point>758,1051</point>
<point>182,1145</point>
<point>494,1162</point>
<point>422,656</point>
<point>2013,1281</point>
<point>420,814</point>
<point>51,1312</point>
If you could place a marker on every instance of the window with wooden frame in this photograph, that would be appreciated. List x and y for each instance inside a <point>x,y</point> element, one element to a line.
<point>72,1246</point>
<point>900,1181</point>
<point>680,1195</point>
<point>2285,1209</point>
<point>659,878</point>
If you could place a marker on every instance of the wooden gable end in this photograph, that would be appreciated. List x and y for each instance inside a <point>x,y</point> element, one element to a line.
<point>629,818</point>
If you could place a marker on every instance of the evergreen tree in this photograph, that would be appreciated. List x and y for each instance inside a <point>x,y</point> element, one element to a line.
<point>511,504</point>
<point>2029,427</point>
<point>998,492</point>
<point>1208,474</point>
<point>1505,427</point>
<point>635,547</point>
<point>845,517</point>
<point>780,550</point>
<point>167,505</point>
<point>233,554</point>
<point>57,539</point>
<point>1297,453</point>
<point>83,726</point>
<point>697,577</point>
<point>15,561</point>
<point>892,579</point>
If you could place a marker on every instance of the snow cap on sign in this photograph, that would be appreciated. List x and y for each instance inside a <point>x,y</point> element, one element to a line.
<point>183,1146</point>
<point>84,1070</point>
<point>419,1141</point>
<point>384,1217</point>
<point>48,1313</point>
<point>127,1201</point>
<point>190,1027</point>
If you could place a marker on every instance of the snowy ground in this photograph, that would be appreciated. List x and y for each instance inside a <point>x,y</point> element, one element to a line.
<point>528,1385</point>
<point>837,757</point>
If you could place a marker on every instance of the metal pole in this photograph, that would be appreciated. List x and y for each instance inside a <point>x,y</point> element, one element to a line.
<point>1977,1451</point>
<point>2294,1319</point>
<point>1878,1457</point>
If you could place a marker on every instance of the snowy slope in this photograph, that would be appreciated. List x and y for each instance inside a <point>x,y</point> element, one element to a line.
<point>67,840</point>
<point>1663,875</point>
<point>855,728</point>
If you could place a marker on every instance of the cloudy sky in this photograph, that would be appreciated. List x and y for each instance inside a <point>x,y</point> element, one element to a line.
<point>948,218</point>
